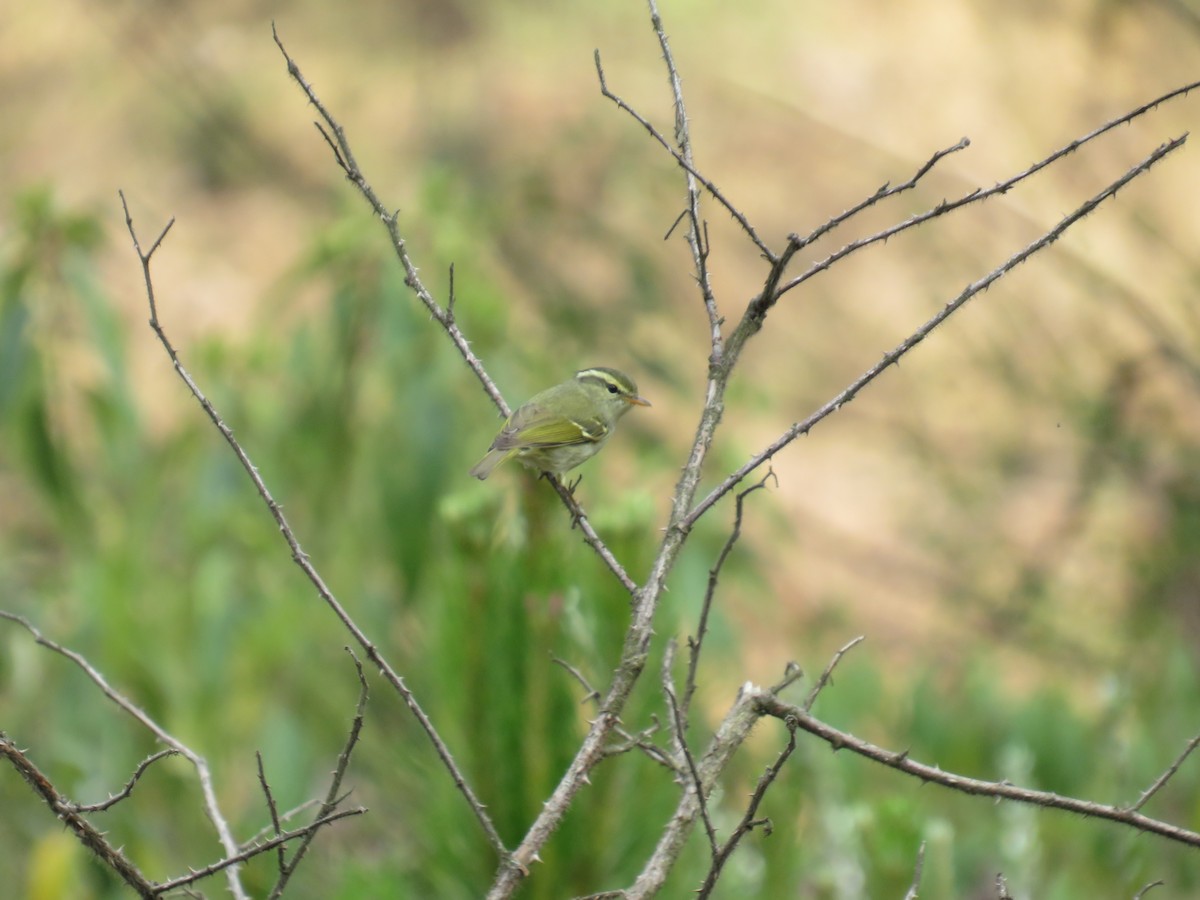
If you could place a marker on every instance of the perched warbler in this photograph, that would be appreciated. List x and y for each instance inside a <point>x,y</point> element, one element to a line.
<point>561,427</point>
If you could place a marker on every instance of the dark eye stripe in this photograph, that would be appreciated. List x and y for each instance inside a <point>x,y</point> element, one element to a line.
<point>606,379</point>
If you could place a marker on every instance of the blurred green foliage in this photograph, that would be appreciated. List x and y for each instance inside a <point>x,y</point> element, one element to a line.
<point>132,535</point>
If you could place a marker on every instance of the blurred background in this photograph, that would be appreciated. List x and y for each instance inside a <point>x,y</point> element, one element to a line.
<point>1011,517</point>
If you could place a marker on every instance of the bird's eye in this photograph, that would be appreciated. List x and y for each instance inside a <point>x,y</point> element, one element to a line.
<point>613,389</point>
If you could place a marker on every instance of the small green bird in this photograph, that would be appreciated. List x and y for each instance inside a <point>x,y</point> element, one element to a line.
<point>563,426</point>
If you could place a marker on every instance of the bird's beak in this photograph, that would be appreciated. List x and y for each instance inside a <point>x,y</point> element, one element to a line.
<point>637,401</point>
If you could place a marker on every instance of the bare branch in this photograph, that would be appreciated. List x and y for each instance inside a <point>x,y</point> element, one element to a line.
<point>697,784</point>
<point>590,693</point>
<point>302,560</point>
<point>641,741</point>
<point>696,643</point>
<point>893,356</point>
<point>1166,776</point>
<point>1147,888</point>
<point>203,774</point>
<point>696,230</point>
<point>335,136</point>
<point>685,164</point>
<point>770,705</point>
<point>199,874</point>
<point>758,308</point>
<point>728,738</point>
<point>273,809</point>
<point>980,194</point>
<point>579,518</point>
<point>88,835</point>
<point>827,675</point>
<point>792,673</point>
<point>749,819</point>
<point>283,817</point>
<point>128,789</point>
<point>333,796</point>
<point>628,741</point>
<point>883,193</point>
<point>914,888</point>
<point>636,648</point>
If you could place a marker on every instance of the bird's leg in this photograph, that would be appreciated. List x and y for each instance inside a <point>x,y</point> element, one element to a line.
<point>576,509</point>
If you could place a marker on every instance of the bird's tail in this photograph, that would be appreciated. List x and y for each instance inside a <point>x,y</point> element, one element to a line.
<point>483,468</point>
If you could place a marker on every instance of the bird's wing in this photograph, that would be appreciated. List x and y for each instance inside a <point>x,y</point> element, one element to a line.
<point>532,426</point>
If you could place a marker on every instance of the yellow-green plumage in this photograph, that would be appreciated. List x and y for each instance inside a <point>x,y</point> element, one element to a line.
<point>563,426</point>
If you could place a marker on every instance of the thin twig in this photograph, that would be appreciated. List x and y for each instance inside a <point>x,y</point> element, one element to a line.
<point>640,741</point>
<point>696,643</point>
<point>697,784</point>
<point>591,694</point>
<point>335,137</point>
<point>283,817</point>
<point>914,890</point>
<point>696,229</point>
<point>128,789</point>
<point>1147,888</point>
<point>579,519</point>
<point>792,673</point>
<point>301,558</point>
<point>979,194</point>
<point>270,844</point>
<point>758,308</point>
<point>750,819</point>
<point>273,809</point>
<point>333,796</point>
<point>893,356</point>
<point>884,192</point>
<point>203,774</point>
<point>684,163</point>
<point>1166,776</point>
<point>827,675</point>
